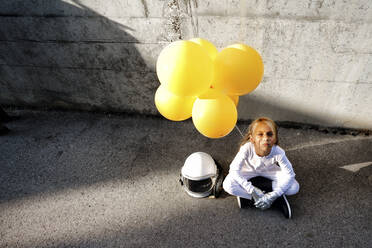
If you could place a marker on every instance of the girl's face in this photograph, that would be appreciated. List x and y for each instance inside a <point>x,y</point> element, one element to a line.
<point>263,138</point>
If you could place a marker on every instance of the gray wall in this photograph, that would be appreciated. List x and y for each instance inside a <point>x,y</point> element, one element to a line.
<point>99,54</point>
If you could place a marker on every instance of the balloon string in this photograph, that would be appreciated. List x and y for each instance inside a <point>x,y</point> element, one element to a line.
<point>236,126</point>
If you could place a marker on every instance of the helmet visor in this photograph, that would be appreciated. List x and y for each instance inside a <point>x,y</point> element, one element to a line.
<point>199,186</point>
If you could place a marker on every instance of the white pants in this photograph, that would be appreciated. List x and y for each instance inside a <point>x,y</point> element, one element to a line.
<point>234,188</point>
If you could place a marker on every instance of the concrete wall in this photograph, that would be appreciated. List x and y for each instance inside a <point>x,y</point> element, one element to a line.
<point>98,54</point>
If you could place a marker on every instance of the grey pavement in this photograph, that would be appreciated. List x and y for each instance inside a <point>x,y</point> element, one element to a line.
<point>76,179</point>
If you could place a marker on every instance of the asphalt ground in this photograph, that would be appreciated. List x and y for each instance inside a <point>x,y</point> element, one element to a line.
<point>75,179</point>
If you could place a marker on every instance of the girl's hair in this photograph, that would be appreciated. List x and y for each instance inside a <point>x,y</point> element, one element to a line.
<point>251,127</point>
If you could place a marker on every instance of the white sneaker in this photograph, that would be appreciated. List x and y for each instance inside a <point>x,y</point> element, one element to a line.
<point>244,203</point>
<point>283,204</point>
<point>239,201</point>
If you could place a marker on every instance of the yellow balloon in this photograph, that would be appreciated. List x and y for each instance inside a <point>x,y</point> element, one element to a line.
<point>235,99</point>
<point>208,46</point>
<point>173,107</point>
<point>214,115</point>
<point>241,47</point>
<point>213,93</point>
<point>185,68</point>
<point>238,70</point>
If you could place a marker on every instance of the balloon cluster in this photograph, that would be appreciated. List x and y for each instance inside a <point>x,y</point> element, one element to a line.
<point>196,80</point>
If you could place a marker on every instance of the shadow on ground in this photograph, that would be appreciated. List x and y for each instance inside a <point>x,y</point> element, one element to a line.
<point>110,180</point>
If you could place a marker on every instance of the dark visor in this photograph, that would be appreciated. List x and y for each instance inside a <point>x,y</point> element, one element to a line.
<point>198,186</point>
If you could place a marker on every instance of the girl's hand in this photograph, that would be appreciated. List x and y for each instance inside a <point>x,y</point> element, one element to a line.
<point>257,194</point>
<point>266,200</point>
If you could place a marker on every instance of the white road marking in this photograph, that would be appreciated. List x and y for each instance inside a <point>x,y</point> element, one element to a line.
<point>324,142</point>
<point>356,167</point>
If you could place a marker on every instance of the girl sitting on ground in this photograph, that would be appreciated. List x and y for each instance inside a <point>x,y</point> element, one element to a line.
<point>260,158</point>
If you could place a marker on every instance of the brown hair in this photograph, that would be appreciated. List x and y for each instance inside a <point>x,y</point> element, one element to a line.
<point>251,127</point>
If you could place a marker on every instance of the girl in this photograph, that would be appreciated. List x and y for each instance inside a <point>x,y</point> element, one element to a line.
<point>261,157</point>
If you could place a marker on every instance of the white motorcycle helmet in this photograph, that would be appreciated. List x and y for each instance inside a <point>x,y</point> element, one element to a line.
<point>201,176</point>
